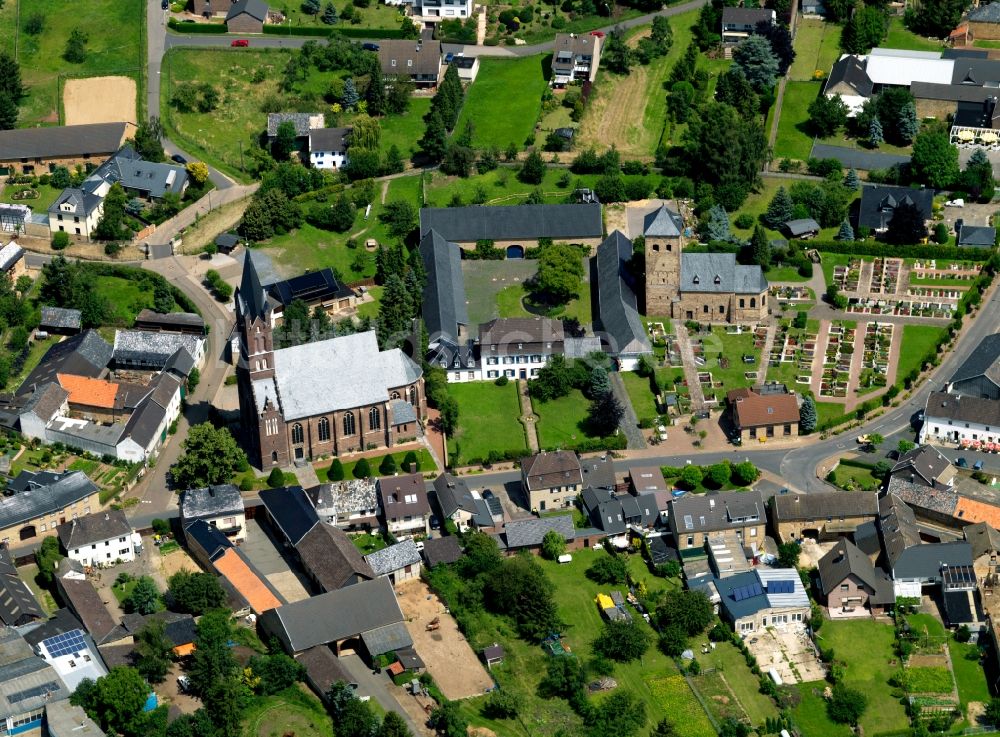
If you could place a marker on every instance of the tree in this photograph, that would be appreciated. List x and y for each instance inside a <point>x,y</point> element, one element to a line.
<point>276,672</point>
<point>564,677</point>
<point>399,218</point>
<point>447,720</point>
<point>906,226</point>
<point>978,177</point>
<point>608,569</point>
<point>194,378</point>
<point>501,705</point>
<point>560,274</point>
<point>276,479</point>
<point>47,556</point>
<point>616,54</point>
<point>76,47</point>
<point>664,728</point>
<point>153,651</point>
<point>908,124</point>
<point>936,19</point>
<point>807,414</point>
<point>144,598</point>
<point>336,472</point>
<point>553,545</point>
<point>35,24</point>
<point>619,715</point>
<point>329,15</point>
<point>689,610</point>
<point>755,58</point>
<point>599,384</point>
<point>735,90</point>
<point>680,101</point>
<point>827,115</point>
<point>760,248</point>
<point>394,314</point>
<point>717,226</point>
<point>111,224</point>
<point>284,141</point>
<point>115,701</point>
<point>745,473</point>
<point>533,169</point>
<point>875,135</point>
<point>605,415</point>
<point>310,7</point>
<point>622,641</point>
<point>388,466</point>
<point>411,463</point>
<point>213,660</point>
<point>362,470</point>
<point>780,210</point>
<point>851,180</point>
<point>788,555</point>
<point>350,97</point>
<point>393,725</point>
<point>520,590</point>
<point>718,474</point>
<point>198,171</point>
<point>992,712</point>
<point>148,144</point>
<point>935,160</point>
<point>778,35</point>
<point>10,78</point>
<point>8,112</point>
<point>195,593</point>
<point>434,143</point>
<point>846,705</point>
<point>211,456</point>
<point>864,29</point>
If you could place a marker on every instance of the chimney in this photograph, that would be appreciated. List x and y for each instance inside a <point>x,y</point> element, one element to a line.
<point>711,503</point>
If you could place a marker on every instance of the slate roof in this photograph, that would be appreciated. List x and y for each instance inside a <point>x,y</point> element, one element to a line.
<point>442,550</point>
<point>550,469</point>
<point>453,494</point>
<point>179,364</point>
<point>210,502</point>
<point>898,526</point>
<point>18,604</point>
<point>801,227</point>
<point>921,496</point>
<point>45,402</point>
<point>745,16</point>
<point>10,255</point>
<point>323,668</point>
<point>718,273</point>
<point>944,406</point>
<point>850,70</point>
<point>982,537</point>
<point>879,202</point>
<point>604,510</point>
<point>152,349</point>
<point>208,538</point>
<point>617,308</point>
<point>598,472</point>
<point>84,354</point>
<point>331,558</point>
<point>329,139</point>
<point>85,603</point>
<point>976,236</point>
<point>84,203</point>
<point>227,240</point>
<point>334,616</point>
<point>988,13</point>
<point>42,493</point>
<point>662,222</point>
<point>410,56</point>
<point>403,413</point>
<point>339,373</point>
<point>825,504</point>
<point>529,533</point>
<point>60,317</point>
<point>145,423</point>
<point>189,320</point>
<point>291,511</point>
<point>570,46</point>
<point>311,287</point>
<point>983,361</point>
<point>254,8</point>
<point>61,141</point>
<point>132,172</point>
<point>926,561</point>
<point>842,560</point>
<point>303,122</point>
<point>94,528</point>
<point>926,463</point>
<point>444,304</point>
<point>251,299</point>
<point>344,498</point>
<point>513,222</point>
<point>394,491</point>
<point>711,512</point>
<point>393,558</point>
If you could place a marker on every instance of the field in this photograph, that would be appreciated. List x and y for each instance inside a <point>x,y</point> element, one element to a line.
<point>487,420</point>
<point>376,15</point>
<point>116,45</point>
<point>562,421</point>
<point>126,297</point>
<point>794,141</point>
<point>500,117</point>
<point>900,38</point>
<point>99,100</point>
<point>918,342</point>
<point>292,711</point>
<point>640,394</point>
<point>817,47</point>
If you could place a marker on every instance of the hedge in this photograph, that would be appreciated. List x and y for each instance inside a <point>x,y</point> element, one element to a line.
<point>590,445</point>
<point>888,250</point>
<point>283,30</point>
<point>197,27</point>
<point>365,33</point>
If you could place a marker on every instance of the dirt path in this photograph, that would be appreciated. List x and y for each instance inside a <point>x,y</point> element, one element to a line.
<point>99,100</point>
<point>217,221</point>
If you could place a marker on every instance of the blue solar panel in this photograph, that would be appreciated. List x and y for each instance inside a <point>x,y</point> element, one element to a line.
<point>781,587</point>
<point>65,644</point>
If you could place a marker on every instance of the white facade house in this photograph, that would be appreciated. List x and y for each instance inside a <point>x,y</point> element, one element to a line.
<point>76,212</point>
<point>328,147</point>
<point>220,506</point>
<point>960,420</point>
<point>433,11</point>
<point>513,347</point>
<point>100,539</point>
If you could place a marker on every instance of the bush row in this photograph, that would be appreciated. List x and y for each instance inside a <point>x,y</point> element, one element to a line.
<point>196,27</point>
<point>888,250</point>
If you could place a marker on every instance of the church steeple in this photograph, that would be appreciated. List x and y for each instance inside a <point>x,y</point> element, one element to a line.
<point>253,319</point>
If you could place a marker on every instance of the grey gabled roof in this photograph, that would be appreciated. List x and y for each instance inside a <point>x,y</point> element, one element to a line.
<point>84,354</point>
<point>144,424</point>
<point>133,172</point>
<point>957,408</point>
<point>926,561</point>
<point>878,204</point>
<point>302,122</point>
<point>291,511</point>
<point>212,501</point>
<point>442,550</point>
<point>825,504</point>
<point>662,222</point>
<point>84,203</point>
<point>988,13</point>
<point>711,512</point>
<point>444,306</point>
<point>604,510</point>
<point>512,222</point>
<point>393,558</point>
<point>750,16</point>
<point>924,461</point>
<point>45,402</point>
<point>802,226</point>
<point>983,361</point>
<point>718,273</point>
<point>94,528</point>
<point>152,348</point>
<point>329,139</point>
<point>254,8</point>
<point>10,255</point>
<point>982,537</point>
<point>18,604</point>
<point>61,141</point>
<point>978,236</point>
<point>617,308</point>
<point>387,639</point>
<point>453,493</point>
<point>42,493</point>
<point>843,560</point>
<point>331,558</point>
<point>850,70</point>
<point>207,537</point>
<point>410,57</point>
<point>529,533</point>
<point>60,317</point>
<point>334,616</point>
<point>898,526</point>
<point>180,363</point>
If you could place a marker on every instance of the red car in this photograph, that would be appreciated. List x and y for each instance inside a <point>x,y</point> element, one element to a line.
<point>240,42</point>
<point>599,34</point>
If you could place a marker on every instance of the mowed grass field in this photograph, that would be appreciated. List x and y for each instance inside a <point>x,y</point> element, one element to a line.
<point>817,47</point>
<point>504,101</point>
<point>487,420</point>
<point>794,140</point>
<point>116,45</point>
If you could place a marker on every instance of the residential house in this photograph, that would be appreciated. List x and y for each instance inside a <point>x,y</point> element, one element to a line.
<point>146,350</point>
<point>622,333</point>
<point>30,414</point>
<point>878,204</point>
<point>76,212</point>
<point>849,81</point>
<point>204,542</point>
<point>614,515</point>
<point>948,565</point>
<point>351,504</point>
<point>148,180</point>
<point>764,412</point>
<point>365,617</point>
<point>813,8</point>
<point>950,418</point>
<point>318,289</point>
<point>898,528</point>
<point>100,539</point>
<point>403,504</point>
<point>646,480</point>
<point>599,472</point>
<point>328,147</point>
<point>28,685</point>
<point>974,236</point>
<point>71,651</point>
<point>984,21</point>
<point>979,375</point>
<point>467,66</point>
<point>985,542</point>
<point>694,516</point>
<point>431,12</point>
<point>398,563</point>
<point>172,322</point>
<point>60,320</point>
<point>802,228</point>
<point>417,60</point>
<point>739,23</point>
<point>551,480</point>
<point>851,584</point>
<point>517,347</point>
<point>35,503</point>
<point>528,534</point>
<point>209,8</point>
<point>726,554</point>
<point>460,504</point>
<point>762,598</point>
<point>82,599</point>
<point>442,550</point>
<point>924,479</point>
<point>516,227</point>
<point>40,150</point>
<point>220,506</point>
<point>12,262</point>
<point>246,16</point>
<point>303,122</point>
<point>825,515</point>
<point>575,58</point>
<point>18,605</point>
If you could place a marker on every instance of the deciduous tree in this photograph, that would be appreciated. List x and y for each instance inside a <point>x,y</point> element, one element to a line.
<point>622,641</point>
<point>153,651</point>
<point>211,456</point>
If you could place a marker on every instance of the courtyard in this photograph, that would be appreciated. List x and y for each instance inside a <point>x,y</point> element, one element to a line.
<point>789,652</point>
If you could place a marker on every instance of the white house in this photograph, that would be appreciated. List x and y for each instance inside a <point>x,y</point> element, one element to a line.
<point>960,420</point>
<point>434,11</point>
<point>76,212</point>
<point>220,506</point>
<point>100,539</point>
<point>516,347</point>
<point>403,504</point>
<point>328,147</point>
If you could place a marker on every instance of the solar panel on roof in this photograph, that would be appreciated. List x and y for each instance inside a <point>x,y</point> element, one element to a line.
<point>33,692</point>
<point>65,644</point>
<point>781,587</point>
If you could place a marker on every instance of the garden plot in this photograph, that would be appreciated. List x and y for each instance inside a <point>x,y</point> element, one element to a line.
<point>837,359</point>
<point>885,275</point>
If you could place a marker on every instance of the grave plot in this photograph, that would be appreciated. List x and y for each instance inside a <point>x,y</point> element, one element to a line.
<point>885,275</point>
<point>875,359</point>
<point>847,277</point>
<point>904,307</point>
<point>839,352</point>
<point>791,357</point>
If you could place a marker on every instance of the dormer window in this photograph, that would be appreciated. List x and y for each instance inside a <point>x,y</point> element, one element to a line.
<point>697,279</point>
<point>409,62</point>
<point>718,279</point>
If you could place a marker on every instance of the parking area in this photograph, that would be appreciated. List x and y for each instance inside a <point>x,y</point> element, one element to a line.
<point>455,667</point>
<point>267,555</point>
<point>789,652</point>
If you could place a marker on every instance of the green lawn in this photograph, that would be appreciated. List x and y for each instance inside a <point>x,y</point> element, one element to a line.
<point>406,130</point>
<point>854,477</point>
<point>900,38</point>
<point>368,543</point>
<point>376,15</point>
<point>47,194</point>
<point>126,298</point>
<point>116,37</point>
<point>487,420</point>
<point>640,394</point>
<point>8,26</point>
<point>308,248</point>
<point>810,715</point>
<point>794,141</point>
<point>292,711</point>
<point>86,465</point>
<point>29,572</point>
<point>561,421</point>
<point>817,47</point>
<point>785,274</point>
<point>830,260</point>
<point>866,648</point>
<point>510,303</point>
<point>404,188</point>
<point>969,675</point>
<point>504,101</point>
<point>918,342</point>
<point>720,347</point>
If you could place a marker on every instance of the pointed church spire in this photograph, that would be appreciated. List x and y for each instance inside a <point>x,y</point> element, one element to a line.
<point>250,296</point>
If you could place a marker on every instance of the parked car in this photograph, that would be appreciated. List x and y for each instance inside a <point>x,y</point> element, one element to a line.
<point>599,34</point>
<point>961,463</point>
<point>177,158</point>
<point>977,466</point>
<point>165,5</point>
<point>449,58</point>
<point>240,42</point>
<point>183,684</point>
<point>369,46</point>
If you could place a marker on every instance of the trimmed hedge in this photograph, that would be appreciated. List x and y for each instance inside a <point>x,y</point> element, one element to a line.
<point>197,27</point>
<point>888,250</point>
<point>370,33</point>
<point>283,30</point>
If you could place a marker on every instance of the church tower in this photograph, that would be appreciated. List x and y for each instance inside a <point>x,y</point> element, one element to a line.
<point>663,231</point>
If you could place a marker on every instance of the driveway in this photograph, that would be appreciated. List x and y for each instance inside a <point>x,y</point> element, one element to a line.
<point>855,159</point>
<point>269,558</point>
<point>381,689</point>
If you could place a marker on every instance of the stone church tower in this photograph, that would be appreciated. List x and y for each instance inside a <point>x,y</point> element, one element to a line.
<point>663,230</point>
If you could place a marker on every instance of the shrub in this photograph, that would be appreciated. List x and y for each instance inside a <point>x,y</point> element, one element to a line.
<point>276,479</point>
<point>608,569</point>
<point>744,221</point>
<point>60,240</point>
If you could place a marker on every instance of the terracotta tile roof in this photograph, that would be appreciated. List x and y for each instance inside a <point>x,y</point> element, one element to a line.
<point>91,392</point>
<point>973,510</point>
<point>755,410</point>
<point>246,582</point>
